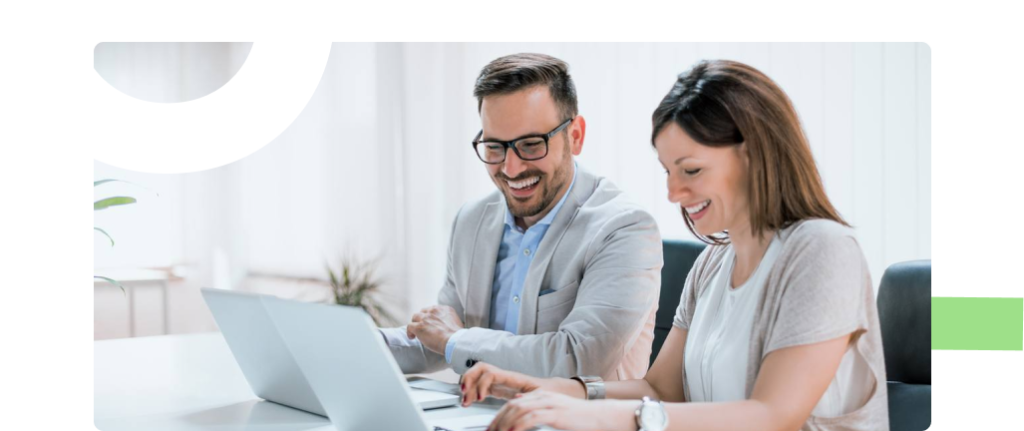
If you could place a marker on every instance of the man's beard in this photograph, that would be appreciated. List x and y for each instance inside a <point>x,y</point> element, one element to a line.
<point>549,189</point>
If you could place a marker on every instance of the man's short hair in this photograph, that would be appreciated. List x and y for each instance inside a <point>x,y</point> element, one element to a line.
<point>515,72</point>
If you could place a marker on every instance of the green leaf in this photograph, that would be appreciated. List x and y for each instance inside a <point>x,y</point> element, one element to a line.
<point>105,234</point>
<point>333,282</point>
<point>111,281</point>
<point>109,202</point>
<point>334,278</point>
<point>360,287</point>
<point>346,299</point>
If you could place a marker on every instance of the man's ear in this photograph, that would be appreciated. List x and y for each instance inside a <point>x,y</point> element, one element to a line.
<point>577,131</point>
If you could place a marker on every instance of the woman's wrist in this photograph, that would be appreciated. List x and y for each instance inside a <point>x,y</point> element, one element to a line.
<point>571,387</point>
<point>626,414</point>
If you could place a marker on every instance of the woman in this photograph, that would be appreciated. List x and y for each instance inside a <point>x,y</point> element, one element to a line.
<point>777,327</point>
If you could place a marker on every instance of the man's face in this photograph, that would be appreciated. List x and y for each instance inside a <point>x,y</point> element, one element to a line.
<point>531,188</point>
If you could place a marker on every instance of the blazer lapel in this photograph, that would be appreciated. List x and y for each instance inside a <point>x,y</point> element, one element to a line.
<point>481,269</point>
<point>581,191</point>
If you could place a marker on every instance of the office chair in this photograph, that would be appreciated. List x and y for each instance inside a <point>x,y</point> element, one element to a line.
<point>905,313</point>
<point>679,258</point>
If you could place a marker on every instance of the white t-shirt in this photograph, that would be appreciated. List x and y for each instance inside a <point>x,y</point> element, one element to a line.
<point>718,344</point>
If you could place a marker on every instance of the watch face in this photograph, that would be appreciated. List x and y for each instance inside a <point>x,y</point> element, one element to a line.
<point>653,416</point>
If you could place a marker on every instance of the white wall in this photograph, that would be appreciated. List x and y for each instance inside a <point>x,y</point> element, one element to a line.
<point>379,162</point>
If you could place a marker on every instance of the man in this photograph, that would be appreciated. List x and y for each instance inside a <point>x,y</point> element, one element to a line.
<point>555,274</point>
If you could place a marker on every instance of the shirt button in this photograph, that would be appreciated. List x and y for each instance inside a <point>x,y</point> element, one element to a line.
<point>526,252</point>
<point>515,299</point>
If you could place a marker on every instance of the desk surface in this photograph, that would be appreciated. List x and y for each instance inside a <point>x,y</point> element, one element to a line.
<point>191,382</point>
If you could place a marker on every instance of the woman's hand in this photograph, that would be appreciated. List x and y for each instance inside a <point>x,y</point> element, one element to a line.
<point>487,380</point>
<point>564,412</point>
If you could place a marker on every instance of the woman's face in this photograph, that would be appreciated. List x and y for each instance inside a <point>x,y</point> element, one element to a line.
<point>710,184</point>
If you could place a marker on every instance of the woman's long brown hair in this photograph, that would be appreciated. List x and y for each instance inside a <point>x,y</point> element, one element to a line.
<point>725,103</point>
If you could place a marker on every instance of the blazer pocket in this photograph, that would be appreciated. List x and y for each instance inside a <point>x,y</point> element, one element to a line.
<point>558,297</point>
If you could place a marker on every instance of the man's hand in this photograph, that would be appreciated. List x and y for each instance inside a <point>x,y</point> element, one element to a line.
<point>433,326</point>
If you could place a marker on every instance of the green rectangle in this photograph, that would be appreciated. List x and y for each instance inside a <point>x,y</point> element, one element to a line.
<point>977,323</point>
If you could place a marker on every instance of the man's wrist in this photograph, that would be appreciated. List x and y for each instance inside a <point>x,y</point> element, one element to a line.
<point>449,345</point>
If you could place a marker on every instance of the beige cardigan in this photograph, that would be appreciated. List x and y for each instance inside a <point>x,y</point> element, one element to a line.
<point>818,289</point>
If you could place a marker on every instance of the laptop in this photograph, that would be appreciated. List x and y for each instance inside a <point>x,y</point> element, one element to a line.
<point>277,346</point>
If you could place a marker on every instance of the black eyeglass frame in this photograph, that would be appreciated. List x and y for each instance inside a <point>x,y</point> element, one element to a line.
<point>511,143</point>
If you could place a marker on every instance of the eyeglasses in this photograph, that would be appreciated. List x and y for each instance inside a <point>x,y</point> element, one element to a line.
<point>528,148</point>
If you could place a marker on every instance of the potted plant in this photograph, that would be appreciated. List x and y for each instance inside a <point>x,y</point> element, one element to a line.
<point>354,283</point>
<point>103,204</point>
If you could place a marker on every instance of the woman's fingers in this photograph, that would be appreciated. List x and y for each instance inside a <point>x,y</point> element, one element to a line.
<point>504,391</point>
<point>478,383</point>
<point>497,417</point>
<point>484,385</point>
<point>471,382</point>
<point>511,415</point>
<point>484,380</point>
<point>535,418</point>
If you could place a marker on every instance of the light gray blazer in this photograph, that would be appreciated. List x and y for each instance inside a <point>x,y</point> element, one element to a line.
<point>602,258</point>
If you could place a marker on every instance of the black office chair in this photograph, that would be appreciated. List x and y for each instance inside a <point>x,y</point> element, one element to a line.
<point>905,313</point>
<point>679,258</point>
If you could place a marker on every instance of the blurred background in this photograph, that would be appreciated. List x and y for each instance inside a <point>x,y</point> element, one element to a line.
<point>377,164</point>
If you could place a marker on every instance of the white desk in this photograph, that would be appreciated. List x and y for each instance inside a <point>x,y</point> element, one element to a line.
<point>191,382</point>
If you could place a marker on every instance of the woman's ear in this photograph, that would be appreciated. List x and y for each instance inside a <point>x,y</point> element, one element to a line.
<point>744,154</point>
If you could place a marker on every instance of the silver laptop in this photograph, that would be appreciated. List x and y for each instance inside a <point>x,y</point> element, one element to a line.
<point>270,344</point>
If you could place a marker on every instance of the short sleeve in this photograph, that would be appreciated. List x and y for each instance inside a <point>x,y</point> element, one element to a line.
<point>822,284</point>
